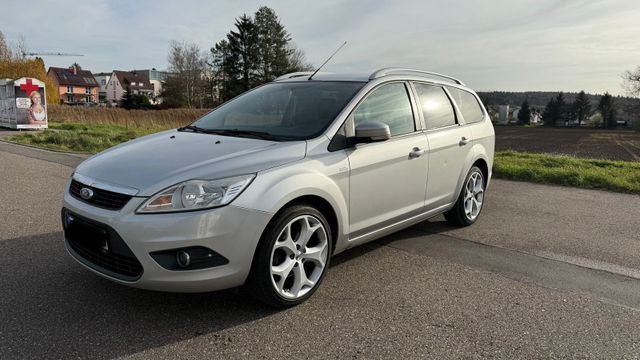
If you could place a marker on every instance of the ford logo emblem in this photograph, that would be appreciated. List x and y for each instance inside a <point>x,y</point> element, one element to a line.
<point>86,193</point>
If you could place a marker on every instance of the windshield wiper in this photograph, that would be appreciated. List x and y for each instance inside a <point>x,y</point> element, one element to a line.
<point>241,133</point>
<point>193,128</point>
<point>231,132</point>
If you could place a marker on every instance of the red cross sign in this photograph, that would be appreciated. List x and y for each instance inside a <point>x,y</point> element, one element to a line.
<point>29,87</point>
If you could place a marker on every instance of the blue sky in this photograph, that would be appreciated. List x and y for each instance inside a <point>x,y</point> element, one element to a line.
<point>491,45</point>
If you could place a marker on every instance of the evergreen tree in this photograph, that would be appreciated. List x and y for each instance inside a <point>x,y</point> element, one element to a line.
<point>173,92</point>
<point>562,108</point>
<point>524,115</point>
<point>126,101</point>
<point>273,53</point>
<point>581,108</point>
<point>258,50</point>
<point>550,114</point>
<point>225,71</point>
<point>131,101</point>
<point>243,47</point>
<point>607,109</point>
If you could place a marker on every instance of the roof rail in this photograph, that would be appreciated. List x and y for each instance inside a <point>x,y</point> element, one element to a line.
<point>294,75</point>
<point>391,70</point>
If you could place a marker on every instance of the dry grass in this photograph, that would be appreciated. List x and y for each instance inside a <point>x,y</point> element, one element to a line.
<point>134,119</point>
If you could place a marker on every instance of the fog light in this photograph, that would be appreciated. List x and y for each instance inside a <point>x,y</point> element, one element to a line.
<point>188,258</point>
<point>183,259</point>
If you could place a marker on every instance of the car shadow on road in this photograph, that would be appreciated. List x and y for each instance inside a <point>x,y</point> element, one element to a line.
<point>54,308</point>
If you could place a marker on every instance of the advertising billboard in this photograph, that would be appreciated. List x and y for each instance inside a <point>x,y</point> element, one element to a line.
<point>23,104</point>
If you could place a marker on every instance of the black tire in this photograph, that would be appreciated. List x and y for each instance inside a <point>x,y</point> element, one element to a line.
<point>457,216</point>
<point>259,283</point>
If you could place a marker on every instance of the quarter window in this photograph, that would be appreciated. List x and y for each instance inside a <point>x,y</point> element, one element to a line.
<point>468,105</point>
<point>388,104</point>
<point>436,106</point>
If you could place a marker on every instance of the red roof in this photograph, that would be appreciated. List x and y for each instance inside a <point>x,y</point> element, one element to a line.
<point>73,75</point>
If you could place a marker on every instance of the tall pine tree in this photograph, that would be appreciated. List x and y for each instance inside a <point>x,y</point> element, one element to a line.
<point>581,108</point>
<point>550,114</point>
<point>607,109</point>
<point>273,52</point>
<point>524,115</point>
<point>243,48</point>
<point>257,51</point>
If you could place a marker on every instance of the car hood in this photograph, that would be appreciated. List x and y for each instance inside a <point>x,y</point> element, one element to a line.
<point>155,162</point>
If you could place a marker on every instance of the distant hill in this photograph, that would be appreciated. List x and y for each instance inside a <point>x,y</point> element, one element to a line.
<point>628,108</point>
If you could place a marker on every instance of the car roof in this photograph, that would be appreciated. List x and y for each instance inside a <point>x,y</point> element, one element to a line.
<point>381,73</point>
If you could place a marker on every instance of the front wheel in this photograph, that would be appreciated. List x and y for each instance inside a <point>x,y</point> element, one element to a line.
<point>469,204</point>
<point>292,257</point>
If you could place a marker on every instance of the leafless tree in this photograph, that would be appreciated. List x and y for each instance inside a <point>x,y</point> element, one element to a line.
<point>20,48</point>
<point>632,81</point>
<point>298,60</point>
<point>5,50</point>
<point>187,65</point>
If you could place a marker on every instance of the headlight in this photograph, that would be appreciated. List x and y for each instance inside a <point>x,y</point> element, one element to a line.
<point>197,195</point>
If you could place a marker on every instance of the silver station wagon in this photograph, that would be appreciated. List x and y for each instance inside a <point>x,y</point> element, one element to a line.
<point>263,190</point>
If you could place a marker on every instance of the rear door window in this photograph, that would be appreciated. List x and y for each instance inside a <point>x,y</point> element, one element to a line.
<point>468,105</point>
<point>436,106</point>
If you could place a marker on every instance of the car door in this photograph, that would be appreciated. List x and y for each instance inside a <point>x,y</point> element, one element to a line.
<point>449,144</point>
<point>388,178</point>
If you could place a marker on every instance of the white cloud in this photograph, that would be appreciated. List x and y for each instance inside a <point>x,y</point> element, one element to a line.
<point>501,45</point>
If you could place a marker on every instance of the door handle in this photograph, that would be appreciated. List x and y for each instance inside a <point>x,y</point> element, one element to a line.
<point>463,141</point>
<point>416,152</point>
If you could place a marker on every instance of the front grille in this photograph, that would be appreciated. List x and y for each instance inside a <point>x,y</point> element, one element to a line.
<point>101,198</point>
<point>100,247</point>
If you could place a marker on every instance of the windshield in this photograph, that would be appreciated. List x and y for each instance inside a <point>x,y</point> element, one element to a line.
<point>286,111</point>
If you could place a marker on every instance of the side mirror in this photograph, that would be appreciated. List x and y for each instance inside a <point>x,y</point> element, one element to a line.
<point>372,131</point>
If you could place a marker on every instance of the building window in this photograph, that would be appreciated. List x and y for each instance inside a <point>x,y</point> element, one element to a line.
<point>87,91</point>
<point>70,89</point>
<point>103,82</point>
<point>70,98</point>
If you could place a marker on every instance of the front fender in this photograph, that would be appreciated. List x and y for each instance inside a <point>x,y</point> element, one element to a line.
<point>273,189</point>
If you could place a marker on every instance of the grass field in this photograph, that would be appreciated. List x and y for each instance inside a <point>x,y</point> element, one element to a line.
<point>621,176</point>
<point>85,138</point>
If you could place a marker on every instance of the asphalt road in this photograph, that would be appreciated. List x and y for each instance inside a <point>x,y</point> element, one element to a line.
<point>547,272</point>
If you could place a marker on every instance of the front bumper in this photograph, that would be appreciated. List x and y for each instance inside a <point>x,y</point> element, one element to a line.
<point>233,232</point>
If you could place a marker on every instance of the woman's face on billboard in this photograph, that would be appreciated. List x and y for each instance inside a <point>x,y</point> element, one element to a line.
<point>35,99</point>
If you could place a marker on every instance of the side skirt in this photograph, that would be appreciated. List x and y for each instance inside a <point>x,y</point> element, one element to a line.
<point>393,225</point>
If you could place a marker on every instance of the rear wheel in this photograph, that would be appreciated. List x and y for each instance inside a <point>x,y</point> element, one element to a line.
<point>469,204</point>
<point>292,257</point>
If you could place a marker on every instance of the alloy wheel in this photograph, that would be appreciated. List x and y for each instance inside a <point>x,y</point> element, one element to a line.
<point>299,256</point>
<point>473,195</point>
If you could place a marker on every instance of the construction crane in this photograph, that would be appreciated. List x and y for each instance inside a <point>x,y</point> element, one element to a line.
<point>50,54</point>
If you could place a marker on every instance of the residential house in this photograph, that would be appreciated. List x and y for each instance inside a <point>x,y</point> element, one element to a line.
<point>121,81</point>
<point>157,79</point>
<point>75,85</point>
<point>103,79</point>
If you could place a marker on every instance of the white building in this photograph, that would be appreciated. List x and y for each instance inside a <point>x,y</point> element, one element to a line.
<point>157,79</point>
<point>103,80</point>
<point>121,81</point>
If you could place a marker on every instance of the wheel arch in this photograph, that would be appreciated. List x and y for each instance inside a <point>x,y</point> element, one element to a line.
<point>323,206</point>
<point>483,166</point>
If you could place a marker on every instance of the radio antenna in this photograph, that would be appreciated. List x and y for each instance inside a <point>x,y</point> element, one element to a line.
<point>326,61</point>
